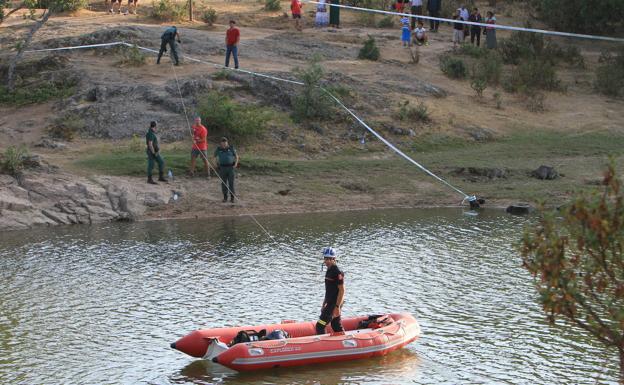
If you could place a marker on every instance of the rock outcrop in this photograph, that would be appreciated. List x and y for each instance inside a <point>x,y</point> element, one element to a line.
<point>52,198</point>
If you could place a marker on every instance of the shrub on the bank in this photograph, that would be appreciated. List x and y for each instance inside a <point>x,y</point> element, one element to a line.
<point>420,113</point>
<point>527,46</point>
<point>369,51</point>
<point>595,17</point>
<point>131,56</point>
<point>272,5</point>
<point>311,102</point>
<point>231,119</point>
<point>66,127</point>
<point>209,16</point>
<point>12,161</point>
<point>169,10</point>
<point>453,67</point>
<point>533,75</point>
<point>473,51</point>
<point>610,74</point>
<point>386,22</point>
<point>36,93</point>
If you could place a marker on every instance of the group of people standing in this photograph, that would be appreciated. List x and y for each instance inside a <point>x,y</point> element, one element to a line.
<point>462,31</point>
<point>226,158</point>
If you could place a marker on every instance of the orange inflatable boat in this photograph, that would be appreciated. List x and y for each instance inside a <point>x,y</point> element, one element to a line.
<point>363,337</point>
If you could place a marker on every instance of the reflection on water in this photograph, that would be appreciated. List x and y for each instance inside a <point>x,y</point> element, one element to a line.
<point>101,304</point>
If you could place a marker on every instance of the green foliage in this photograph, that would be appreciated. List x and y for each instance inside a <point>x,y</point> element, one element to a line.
<point>36,93</point>
<point>66,127</point>
<point>529,46</point>
<point>582,16</point>
<point>131,56</point>
<point>311,102</point>
<point>226,117</point>
<point>13,159</point>
<point>386,22</point>
<point>221,75</point>
<point>272,5</point>
<point>169,10</point>
<point>576,257</point>
<point>136,144</point>
<point>57,5</point>
<point>209,16</point>
<point>473,51</point>
<point>453,67</point>
<point>420,113</point>
<point>478,84</point>
<point>369,51</point>
<point>610,74</point>
<point>533,75</point>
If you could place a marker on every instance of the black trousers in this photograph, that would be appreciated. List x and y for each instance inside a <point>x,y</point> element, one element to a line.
<point>475,33</point>
<point>327,318</point>
<point>227,180</point>
<point>434,24</point>
<point>417,10</point>
<point>172,47</point>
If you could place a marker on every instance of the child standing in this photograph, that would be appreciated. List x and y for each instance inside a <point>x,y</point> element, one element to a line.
<point>458,30</point>
<point>295,8</point>
<point>405,31</point>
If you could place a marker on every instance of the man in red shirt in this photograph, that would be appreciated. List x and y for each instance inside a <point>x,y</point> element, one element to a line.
<point>295,8</point>
<point>200,146</point>
<point>232,37</point>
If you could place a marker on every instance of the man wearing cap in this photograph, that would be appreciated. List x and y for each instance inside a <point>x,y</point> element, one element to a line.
<point>334,294</point>
<point>226,160</point>
<point>153,155</point>
<point>169,37</point>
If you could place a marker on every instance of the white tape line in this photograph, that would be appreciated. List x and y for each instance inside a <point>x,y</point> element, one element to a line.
<point>75,47</point>
<point>496,26</point>
<point>357,118</point>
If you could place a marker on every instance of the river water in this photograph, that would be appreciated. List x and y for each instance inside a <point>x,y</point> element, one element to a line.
<point>100,304</point>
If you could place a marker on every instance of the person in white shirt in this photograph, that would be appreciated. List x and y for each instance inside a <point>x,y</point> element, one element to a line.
<point>465,15</point>
<point>416,9</point>
<point>420,34</point>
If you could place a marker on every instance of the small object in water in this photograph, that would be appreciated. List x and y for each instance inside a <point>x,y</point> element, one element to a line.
<point>519,209</point>
<point>175,196</point>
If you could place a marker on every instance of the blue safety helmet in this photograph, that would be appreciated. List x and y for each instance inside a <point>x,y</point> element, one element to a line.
<point>329,252</point>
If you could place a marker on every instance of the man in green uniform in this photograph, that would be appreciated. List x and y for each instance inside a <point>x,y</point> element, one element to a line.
<point>226,160</point>
<point>169,37</point>
<point>153,155</point>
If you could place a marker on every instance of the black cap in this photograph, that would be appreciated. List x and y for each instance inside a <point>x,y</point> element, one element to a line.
<point>153,123</point>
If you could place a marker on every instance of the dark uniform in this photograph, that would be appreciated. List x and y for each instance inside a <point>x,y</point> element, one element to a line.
<point>333,278</point>
<point>169,38</point>
<point>150,136</point>
<point>226,159</point>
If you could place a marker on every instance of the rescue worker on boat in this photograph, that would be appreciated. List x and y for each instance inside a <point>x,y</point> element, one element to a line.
<point>334,294</point>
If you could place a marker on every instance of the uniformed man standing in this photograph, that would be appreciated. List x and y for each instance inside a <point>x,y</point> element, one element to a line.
<point>226,160</point>
<point>153,155</point>
<point>169,37</point>
<point>334,294</point>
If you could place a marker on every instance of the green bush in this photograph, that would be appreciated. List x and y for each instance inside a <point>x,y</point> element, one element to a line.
<point>478,84</point>
<point>66,127</point>
<point>610,74</point>
<point>488,68</point>
<point>369,51</point>
<point>521,45</point>
<point>36,93</point>
<point>221,75</point>
<point>226,117</point>
<point>533,75</point>
<point>12,161</point>
<point>169,10</point>
<point>386,22</point>
<point>311,102</point>
<point>272,5</point>
<point>595,17</point>
<point>131,56</point>
<point>420,113</point>
<point>453,67</point>
<point>209,16</point>
<point>473,51</point>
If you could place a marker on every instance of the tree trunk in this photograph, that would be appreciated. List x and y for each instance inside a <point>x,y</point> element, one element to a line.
<point>22,48</point>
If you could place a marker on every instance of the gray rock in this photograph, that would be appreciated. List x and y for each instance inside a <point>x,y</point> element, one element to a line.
<point>51,144</point>
<point>545,172</point>
<point>479,134</point>
<point>490,173</point>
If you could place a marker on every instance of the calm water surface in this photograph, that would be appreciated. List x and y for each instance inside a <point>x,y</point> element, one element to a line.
<point>100,304</point>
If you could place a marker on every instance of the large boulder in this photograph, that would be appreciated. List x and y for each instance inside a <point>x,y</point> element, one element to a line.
<point>545,172</point>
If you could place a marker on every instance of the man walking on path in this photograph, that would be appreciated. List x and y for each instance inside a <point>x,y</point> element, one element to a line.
<point>434,7</point>
<point>153,155</point>
<point>232,38</point>
<point>416,9</point>
<point>169,37</point>
<point>334,294</point>
<point>226,160</point>
<point>200,146</point>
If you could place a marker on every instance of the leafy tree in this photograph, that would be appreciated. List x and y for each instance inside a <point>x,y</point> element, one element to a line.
<point>311,102</point>
<point>577,259</point>
<point>582,16</point>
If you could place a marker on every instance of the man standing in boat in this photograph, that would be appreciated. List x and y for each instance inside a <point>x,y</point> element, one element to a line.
<point>334,294</point>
